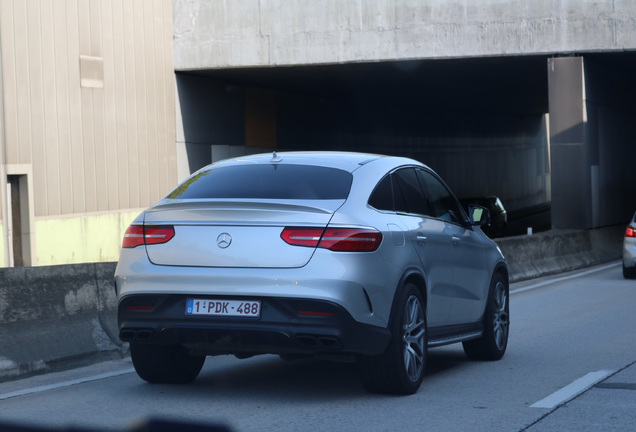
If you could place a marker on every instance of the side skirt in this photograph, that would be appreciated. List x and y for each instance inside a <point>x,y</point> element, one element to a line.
<point>439,336</point>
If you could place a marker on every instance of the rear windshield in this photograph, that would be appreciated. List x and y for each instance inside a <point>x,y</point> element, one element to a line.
<point>267,182</point>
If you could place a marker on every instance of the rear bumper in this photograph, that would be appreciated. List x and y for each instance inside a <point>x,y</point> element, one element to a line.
<point>364,289</point>
<point>281,329</point>
<point>629,253</point>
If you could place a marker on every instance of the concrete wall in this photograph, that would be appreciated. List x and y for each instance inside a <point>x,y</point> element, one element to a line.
<point>2,248</point>
<point>95,237</point>
<point>56,317</point>
<point>558,251</point>
<point>87,238</point>
<point>216,34</point>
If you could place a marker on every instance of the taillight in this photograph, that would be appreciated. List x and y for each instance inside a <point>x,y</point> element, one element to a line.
<point>335,239</point>
<point>351,240</point>
<point>133,237</point>
<point>158,234</point>
<point>302,236</point>
<point>630,232</point>
<point>137,235</point>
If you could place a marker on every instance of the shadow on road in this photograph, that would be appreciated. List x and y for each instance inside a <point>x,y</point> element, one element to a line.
<point>263,377</point>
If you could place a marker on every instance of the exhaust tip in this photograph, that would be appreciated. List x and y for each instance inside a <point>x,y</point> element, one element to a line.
<point>328,342</point>
<point>129,335</point>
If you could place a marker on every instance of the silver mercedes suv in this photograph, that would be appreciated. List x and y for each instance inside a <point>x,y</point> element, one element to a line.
<point>311,253</point>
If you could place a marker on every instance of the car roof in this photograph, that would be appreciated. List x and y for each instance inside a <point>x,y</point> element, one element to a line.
<point>348,161</point>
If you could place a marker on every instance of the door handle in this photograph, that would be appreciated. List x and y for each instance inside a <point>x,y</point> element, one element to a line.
<point>421,239</point>
<point>456,240</point>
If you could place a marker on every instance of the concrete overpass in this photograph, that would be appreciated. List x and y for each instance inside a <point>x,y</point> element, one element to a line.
<point>528,100</point>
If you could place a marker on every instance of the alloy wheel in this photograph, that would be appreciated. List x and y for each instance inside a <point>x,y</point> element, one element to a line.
<point>413,332</point>
<point>501,319</point>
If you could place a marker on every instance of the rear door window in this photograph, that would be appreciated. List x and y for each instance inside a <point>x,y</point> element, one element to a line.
<point>411,192</point>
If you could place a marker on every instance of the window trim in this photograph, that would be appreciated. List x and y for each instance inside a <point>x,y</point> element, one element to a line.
<point>391,175</point>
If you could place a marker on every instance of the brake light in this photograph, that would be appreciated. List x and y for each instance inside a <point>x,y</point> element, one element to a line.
<point>335,239</point>
<point>137,235</point>
<point>133,237</point>
<point>351,240</point>
<point>302,236</point>
<point>158,234</point>
<point>630,232</point>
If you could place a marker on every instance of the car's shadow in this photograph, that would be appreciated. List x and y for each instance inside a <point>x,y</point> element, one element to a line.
<point>270,377</point>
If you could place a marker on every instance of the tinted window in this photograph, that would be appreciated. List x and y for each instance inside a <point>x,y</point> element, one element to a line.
<point>411,191</point>
<point>267,182</point>
<point>382,196</point>
<point>443,203</point>
<point>398,198</point>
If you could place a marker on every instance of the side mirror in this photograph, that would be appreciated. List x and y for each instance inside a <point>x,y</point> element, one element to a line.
<point>479,215</point>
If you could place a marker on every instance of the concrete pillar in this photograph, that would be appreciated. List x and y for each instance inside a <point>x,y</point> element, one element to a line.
<point>572,198</point>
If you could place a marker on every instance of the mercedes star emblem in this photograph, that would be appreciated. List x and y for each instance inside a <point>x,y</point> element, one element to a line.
<point>223,240</point>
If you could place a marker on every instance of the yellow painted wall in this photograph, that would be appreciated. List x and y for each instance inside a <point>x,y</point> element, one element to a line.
<point>2,240</point>
<point>81,239</point>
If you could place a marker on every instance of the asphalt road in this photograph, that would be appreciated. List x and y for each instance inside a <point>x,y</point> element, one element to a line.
<point>570,366</point>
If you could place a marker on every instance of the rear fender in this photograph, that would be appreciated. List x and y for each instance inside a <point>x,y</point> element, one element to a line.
<point>412,275</point>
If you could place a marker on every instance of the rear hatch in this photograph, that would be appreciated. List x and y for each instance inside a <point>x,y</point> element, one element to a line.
<point>226,233</point>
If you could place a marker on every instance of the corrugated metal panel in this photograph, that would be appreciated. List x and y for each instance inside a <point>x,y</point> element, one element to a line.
<point>171,177</point>
<point>93,146</point>
<point>110,107</point>
<point>9,80</point>
<point>115,75</point>
<point>76,174</point>
<point>141,93</point>
<point>89,202</point>
<point>35,73</point>
<point>52,139</point>
<point>146,11</point>
<point>61,69</point>
<point>131,106</point>
<point>21,67</point>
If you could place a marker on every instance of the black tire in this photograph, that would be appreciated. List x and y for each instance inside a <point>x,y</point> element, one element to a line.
<point>165,364</point>
<point>629,272</point>
<point>400,369</point>
<point>493,343</point>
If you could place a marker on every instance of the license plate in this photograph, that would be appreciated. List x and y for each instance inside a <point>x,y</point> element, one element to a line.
<point>235,308</point>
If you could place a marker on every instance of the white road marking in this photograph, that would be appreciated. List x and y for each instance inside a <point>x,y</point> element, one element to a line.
<point>44,388</point>
<point>572,276</point>
<point>571,391</point>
